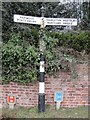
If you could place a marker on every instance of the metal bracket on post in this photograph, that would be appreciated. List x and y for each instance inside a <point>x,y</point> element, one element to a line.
<point>42,23</point>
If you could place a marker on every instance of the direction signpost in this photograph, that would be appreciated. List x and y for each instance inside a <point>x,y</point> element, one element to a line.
<point>47,21</point>
<point>43,21</point>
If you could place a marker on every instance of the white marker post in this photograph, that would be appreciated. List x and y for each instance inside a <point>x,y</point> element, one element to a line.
<point>43,21</point>
<point>11,100</point>
<point>58,98</point>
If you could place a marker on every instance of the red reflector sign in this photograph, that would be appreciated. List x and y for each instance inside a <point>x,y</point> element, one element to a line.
<point>11,99</point>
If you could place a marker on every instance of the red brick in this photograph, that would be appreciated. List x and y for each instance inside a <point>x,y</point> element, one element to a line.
<point>75,95</point>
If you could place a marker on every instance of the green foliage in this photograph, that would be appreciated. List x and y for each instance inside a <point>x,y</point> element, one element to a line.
<point>53,9</point>
<point>50,42</point>
<point>85,21</point>
<point>58,53</point>
<point>22,8</point>
<point>20,53</point>
<point>79,41</point>
<point>19,60</point>
<point>50,112</point>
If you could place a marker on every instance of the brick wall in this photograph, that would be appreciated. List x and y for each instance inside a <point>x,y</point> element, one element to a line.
<point>75,91</point>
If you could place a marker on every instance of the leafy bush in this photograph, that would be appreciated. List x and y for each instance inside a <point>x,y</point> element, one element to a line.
<point>20,58</point>
<point>77,40</point>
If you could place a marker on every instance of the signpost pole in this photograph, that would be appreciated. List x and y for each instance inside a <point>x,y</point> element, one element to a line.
<point>41,97</point>
<point>43,22</point>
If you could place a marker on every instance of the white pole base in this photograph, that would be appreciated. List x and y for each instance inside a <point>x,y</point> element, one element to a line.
<point>11,105</point>
<point>58,105</point>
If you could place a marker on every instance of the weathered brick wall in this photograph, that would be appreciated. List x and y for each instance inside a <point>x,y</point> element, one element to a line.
<point>75,92</point>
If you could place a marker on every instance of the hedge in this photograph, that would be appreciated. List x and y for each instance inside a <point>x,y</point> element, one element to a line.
<point>20,59</point>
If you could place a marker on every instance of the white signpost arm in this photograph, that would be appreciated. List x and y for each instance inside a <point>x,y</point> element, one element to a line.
<point>47,21</point>
<point>61,21</point>
<point>27,19</point>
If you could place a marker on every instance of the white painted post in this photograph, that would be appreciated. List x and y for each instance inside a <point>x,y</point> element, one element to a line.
<point>58,105</point>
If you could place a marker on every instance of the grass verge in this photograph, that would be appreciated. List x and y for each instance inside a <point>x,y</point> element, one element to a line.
<point>50,112</point>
